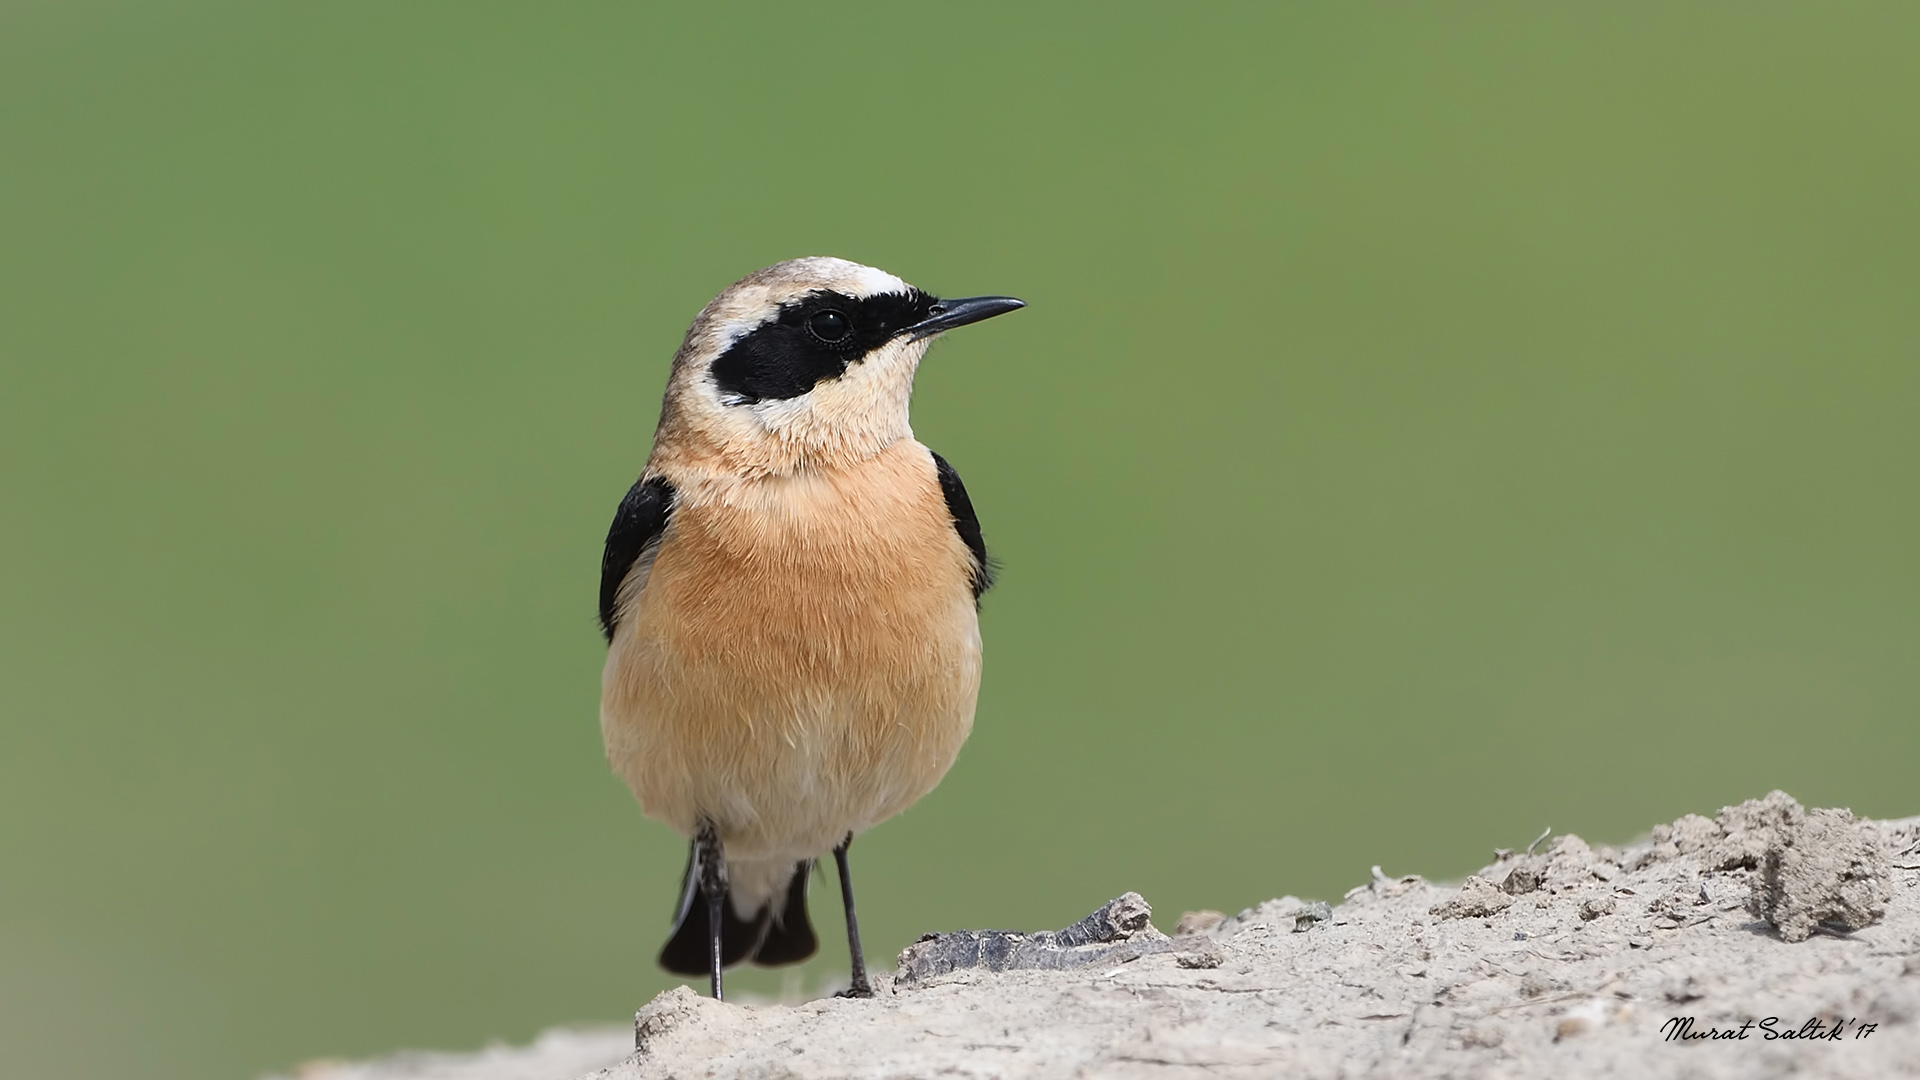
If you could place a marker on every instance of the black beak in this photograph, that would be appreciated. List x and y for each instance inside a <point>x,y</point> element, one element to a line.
<point>947,314</point>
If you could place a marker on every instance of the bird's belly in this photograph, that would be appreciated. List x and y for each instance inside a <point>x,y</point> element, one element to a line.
<point>794,692</point>
<point>787,747</point>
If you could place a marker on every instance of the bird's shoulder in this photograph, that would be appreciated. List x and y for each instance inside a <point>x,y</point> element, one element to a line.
<point>965,522</point>
<point>639,523</point>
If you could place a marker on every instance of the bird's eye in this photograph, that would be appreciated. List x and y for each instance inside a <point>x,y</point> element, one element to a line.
<point>829,326</point>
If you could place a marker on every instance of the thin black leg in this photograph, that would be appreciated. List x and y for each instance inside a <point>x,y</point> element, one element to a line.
<point>713,883</point>
<point>860,987</point>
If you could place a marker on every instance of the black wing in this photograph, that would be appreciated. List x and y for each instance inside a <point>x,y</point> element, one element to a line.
<point>641,519</point>
<point>965,523</point>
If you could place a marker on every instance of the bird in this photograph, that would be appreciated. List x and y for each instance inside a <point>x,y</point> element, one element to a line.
<point>790,597</point>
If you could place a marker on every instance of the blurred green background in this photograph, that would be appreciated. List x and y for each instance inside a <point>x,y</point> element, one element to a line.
<point>1429,426</point>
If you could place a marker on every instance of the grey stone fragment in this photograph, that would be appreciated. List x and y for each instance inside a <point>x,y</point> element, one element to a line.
<point>1315,913</point>
<point>1281,912</point>
<point>1117,931</point>
<point>1478,898</point>
<point>1694,833</point>
<point>1826,868</point>
<point>1749,829</point>
<point>1594,907</point>
<point>1523,878</point>
<point>1212,958</point>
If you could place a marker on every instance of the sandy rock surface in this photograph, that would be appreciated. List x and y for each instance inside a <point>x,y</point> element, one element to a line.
<point>1567,961</point>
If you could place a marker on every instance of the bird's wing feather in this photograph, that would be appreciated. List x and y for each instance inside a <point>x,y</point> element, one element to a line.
<point>965,523</point>
<point>635,533</point>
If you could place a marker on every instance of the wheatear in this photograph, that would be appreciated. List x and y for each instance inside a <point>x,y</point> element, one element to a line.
<point>789,595</point>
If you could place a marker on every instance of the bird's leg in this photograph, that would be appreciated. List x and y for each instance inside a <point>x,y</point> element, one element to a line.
<point>860,987</point>
<point>713,884</point>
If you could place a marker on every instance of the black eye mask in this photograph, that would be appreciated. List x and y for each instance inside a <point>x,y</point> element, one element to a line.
<point>814,338</point>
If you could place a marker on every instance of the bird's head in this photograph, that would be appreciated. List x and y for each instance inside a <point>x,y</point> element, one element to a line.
<point>809,362</point>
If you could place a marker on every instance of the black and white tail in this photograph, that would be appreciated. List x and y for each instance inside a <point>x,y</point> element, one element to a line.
<point>771,938</point>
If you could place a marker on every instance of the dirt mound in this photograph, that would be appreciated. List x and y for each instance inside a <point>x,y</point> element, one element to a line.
<point>1768,940</point>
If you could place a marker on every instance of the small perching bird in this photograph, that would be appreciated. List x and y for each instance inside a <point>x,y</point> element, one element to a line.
<point>789,595</point>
